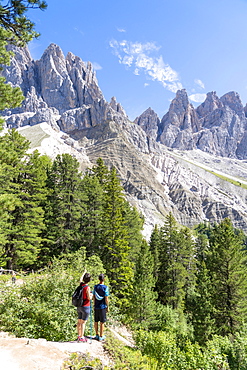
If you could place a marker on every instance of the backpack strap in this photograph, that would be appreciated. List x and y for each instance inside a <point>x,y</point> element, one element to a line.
<point>97,296</point>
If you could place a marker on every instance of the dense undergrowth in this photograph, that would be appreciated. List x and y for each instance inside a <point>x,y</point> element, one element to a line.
<point>165,351</point>
<point>41,308</point>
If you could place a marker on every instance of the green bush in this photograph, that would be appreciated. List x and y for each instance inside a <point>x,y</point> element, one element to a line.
<point>83,361</point>
<point>41,307</point>
<point>171,320</point>
<point>179,354</point>
<point>5,278</point>
<point>235,349</point>
<point>126,358</point>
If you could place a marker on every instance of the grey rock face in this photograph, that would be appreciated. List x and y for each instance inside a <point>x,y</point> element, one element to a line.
<point>149,122</point>
<point>178,125</point>
<point>161,181</point>
<point>211,103</point>
<point>117,106</point>
<point>62,86</point>
<point>218,126</point>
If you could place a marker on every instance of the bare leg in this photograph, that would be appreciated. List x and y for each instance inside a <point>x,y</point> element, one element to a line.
<point>96,328</point>
<point>81,327</point>
<point>101,329</point>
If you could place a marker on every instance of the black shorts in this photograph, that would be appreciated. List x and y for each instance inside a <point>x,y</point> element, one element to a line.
<point>100,315</point>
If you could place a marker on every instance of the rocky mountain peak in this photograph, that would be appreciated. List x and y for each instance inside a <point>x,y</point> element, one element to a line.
<point>181,102</point>
<point>181,113</point>
<point>211,103</point>
<point>178,125</point>
<point>233,101</point>
<point>149,122</point>
<point>117,106</point>
<point>66,85</point>
<point>19,64</point>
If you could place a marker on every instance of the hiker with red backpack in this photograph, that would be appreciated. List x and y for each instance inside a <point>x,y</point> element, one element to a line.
<point>84,309</point>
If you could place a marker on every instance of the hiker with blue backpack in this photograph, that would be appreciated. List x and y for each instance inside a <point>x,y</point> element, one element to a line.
<point>101,307</point>
<point>83,308</point>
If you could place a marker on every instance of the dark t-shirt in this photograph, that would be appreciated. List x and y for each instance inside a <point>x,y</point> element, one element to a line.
<point>100,292</point>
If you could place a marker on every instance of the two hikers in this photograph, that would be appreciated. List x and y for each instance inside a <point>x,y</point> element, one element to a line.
<point>101,303</point>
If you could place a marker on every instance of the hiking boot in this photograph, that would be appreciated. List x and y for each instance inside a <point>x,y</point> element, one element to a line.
<point>82,339</point>
<point>102,338</point>
<point>97,336</point>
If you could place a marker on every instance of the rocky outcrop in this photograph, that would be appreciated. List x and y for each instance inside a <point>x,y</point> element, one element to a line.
<point>179,123</point>
<point>223,127</point>
<point>149,122</point>
<point>63,86</point>
<point>218,126</point>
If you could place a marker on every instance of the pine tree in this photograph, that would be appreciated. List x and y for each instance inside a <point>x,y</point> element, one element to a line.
<point>155,247</point>
<point>65,206</point>
<point>226,263</point>
<point>14,20</point>
<point>133,221</point>
<point>199,305</point>
<point>143,300</point>
<point>101,172</point>
<point>116,250</point>
<point>22,179</point>
<point>201,308</point>
<point>92,220</point>
<point>177,264</point>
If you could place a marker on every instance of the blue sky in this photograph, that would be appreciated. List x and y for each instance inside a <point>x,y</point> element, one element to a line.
<point>143,50</point>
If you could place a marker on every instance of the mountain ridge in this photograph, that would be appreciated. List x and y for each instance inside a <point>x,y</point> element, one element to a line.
<point>161,163</point>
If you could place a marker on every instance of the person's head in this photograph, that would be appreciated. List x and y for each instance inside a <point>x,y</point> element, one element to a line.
<point>101,277</point>
<point>86,277</point>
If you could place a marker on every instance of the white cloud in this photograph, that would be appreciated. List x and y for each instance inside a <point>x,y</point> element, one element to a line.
<point>146,84</point>
<point>198,98</point>
<point>200,83</point>
<point>78,30</point>
<point>137,55</point>
<point>96,66</point>
<point>128,60</point>
<point>121,30</point>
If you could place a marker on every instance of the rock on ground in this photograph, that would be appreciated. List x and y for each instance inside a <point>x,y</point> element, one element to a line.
<point>39,354</point>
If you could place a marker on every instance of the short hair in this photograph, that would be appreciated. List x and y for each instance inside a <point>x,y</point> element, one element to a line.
<point>101,277</point>
<point>86,277</point>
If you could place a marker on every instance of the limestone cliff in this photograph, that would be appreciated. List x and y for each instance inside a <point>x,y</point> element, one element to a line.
<point>218,126</point>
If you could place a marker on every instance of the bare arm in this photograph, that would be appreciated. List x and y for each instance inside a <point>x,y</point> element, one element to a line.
<point>81,279</point>
<point>89,294</point>
<point>107,302</point>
